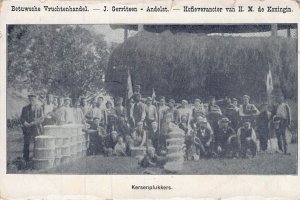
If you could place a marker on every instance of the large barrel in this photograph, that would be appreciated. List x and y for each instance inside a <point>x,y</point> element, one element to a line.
<point>44,141</point>
<point>59,144</point>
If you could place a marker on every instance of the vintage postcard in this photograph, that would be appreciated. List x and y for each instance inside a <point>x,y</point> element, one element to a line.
<point>149,99</point>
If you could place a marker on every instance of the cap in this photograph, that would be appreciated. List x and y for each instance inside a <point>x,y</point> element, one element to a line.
<point>234,99</point>
<point>197,100</point>
<point>184,101</point>
<point>246,96</point>
<point>108,102</point>
<point>154,122</point>
<point>96,118</point>
<point>137,86</point>
<point>149,99</point>
<point>67,98</point>
<point>172,101</point>
<point>31,95</point>
<point>224,120</point>
<point>162,98</point>
<point>139,123</point>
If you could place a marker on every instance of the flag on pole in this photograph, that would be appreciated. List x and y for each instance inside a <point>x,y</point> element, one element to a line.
<point>129,86</point>
<point>269,86</point>
<point>269,82</point>
<point>153,94</point>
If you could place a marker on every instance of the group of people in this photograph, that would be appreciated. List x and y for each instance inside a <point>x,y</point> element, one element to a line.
<point>220,128</point>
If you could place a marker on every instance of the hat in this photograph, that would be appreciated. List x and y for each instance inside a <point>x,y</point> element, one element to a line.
<point>224,120</point>
<point>162,98</point>
<point>95,118</point>
<point>108,102</point>
<point>184,101</point>
<point>198,100</point>
<point>172,101</point>
<point>67,98</point>
<point>139,123</point>
<point>246,96</point>
<point>234,99</point>
<point>154,122</point>
<point>137,86</point>
<point>31,95</point>
<point>149,99</point>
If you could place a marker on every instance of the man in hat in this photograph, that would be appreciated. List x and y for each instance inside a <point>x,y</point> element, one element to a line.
<point>248,111</point>
<point>203,137</point>
<point>139,136</point>
<point>184,110</point>
<point>232,112</point>
<point>111,116</point>
<point>137,89</point>
<point>31,120</point>
<point>173,110</point>
<point>197,111</point>
<point>96,137</point>
<point>283,116</point>
<point>246,137</point>
<point>78,114</point>
<point>121,112</point>
<point>161,110</point>
<point>139,112</point>
<point>48,108</point>
<point>60,117</point>
<point>68,111</point>
<point>225,139</point>
<point>214,113</point>
<point>151,113</point>
<point>263,126</point>
<point>85,107</point>
<point>98,111</point>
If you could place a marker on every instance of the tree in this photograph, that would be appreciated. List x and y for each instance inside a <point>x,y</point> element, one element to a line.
<point>61,59</point>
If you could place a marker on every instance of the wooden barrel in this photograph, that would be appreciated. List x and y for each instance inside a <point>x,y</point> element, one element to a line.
<point>44,141</point>
<point>52,130</point>
<point>44,153</point>
<point>43,163</point>
<point>65,159</point>
<point>65,151</point>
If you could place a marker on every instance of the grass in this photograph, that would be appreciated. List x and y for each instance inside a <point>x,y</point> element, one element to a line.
<point>263,163</point>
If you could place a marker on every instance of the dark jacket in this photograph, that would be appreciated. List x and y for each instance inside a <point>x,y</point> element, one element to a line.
<point>34,116</point>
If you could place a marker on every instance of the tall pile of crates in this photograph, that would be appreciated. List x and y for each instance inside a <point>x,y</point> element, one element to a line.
<point>59,145</point>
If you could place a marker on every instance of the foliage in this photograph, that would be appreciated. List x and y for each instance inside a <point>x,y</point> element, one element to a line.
<point>187,65</point>
<point>61,59</point>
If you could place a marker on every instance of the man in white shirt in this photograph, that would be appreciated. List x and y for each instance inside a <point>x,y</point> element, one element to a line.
<point>283,117</point>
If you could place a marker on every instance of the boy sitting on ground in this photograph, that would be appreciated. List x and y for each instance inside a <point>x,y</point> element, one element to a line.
<point>151,159</point>
<point>120,147</point>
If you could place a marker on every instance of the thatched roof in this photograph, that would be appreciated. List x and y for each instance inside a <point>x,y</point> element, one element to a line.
<point>188,65</point>
<point>229,28</point>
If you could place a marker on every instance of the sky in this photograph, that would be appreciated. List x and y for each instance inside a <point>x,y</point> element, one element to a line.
<point>117,35</point>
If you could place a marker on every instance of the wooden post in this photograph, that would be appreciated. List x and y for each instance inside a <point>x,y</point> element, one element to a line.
<point>274,29</point>
<point>125,34</point>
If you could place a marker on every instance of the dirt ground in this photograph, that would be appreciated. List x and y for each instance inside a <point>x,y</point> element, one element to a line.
<point>263,163</point>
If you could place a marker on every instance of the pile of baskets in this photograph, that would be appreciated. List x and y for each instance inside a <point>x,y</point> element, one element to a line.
<point>175,151</point>
<point>59,145</point>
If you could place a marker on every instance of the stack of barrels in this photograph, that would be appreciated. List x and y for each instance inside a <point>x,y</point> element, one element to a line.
<point>175,151</point>
<point>59,145</point>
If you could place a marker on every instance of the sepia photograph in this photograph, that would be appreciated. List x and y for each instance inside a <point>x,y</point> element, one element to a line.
<point>157,99</point>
